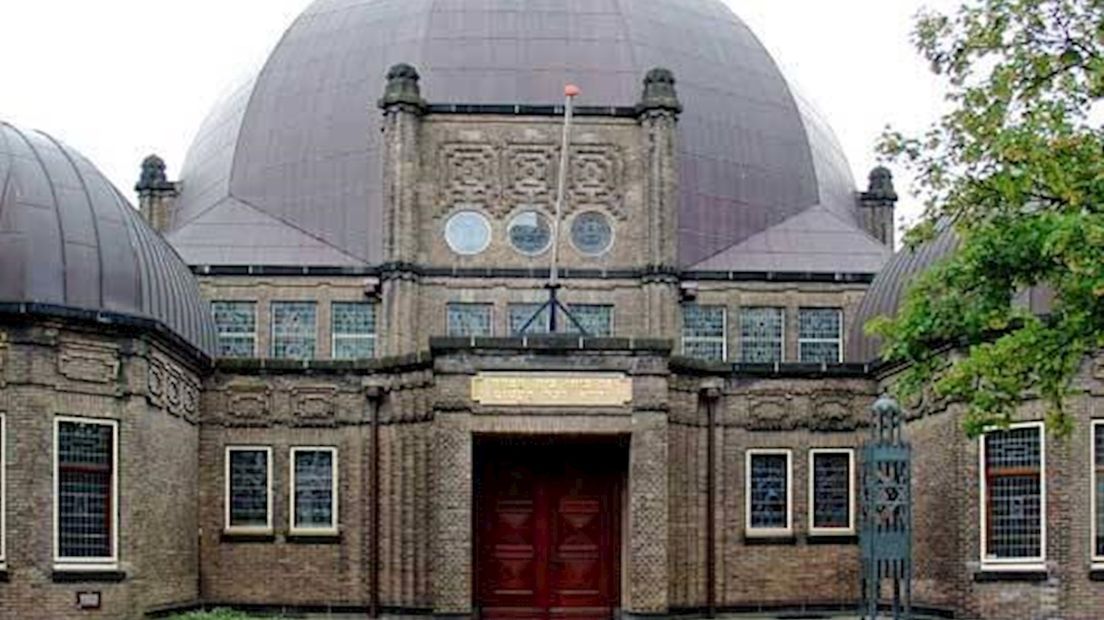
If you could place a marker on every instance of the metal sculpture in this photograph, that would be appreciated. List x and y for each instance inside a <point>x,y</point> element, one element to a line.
<point>886,530</point>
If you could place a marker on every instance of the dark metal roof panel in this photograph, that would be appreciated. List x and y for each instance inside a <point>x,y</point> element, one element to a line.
<point>888,290</point>
<point>301,143</point>
<point>69,238</point>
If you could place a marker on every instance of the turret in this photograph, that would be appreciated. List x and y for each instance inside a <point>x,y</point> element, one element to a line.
<point>878,205</point>
<point>156,194</point>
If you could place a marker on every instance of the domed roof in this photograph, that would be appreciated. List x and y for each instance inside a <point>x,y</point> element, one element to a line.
<point>887,291</point>
<point>68,238</point>
<point>286,170</point>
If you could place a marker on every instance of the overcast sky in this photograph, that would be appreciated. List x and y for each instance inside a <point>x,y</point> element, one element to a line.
<point>119,79</point>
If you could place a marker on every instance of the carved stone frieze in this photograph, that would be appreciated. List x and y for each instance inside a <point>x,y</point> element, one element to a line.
<point>469,175</point>
<point>530,174</point>
<point>248,404</point>
<point>596,179</point>
<point>771,412</point>
<point>88,361</point>
<point>313,405</point>
<point>833,411</point>
<point>170,388</point>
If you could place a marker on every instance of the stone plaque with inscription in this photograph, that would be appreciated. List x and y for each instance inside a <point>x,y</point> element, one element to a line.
<point>552,389</point>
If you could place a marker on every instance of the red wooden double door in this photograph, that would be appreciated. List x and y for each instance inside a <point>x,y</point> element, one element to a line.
<point>548,530</point>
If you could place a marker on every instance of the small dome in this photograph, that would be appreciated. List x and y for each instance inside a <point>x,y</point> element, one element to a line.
<point>888,291</point>
<point>69,238</point>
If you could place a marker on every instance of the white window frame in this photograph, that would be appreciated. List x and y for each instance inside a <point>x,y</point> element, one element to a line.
<point>784,311</point>
<point>488,304</point>
<point>335,517</point>
<point>88,564</point>
<point>768,532</point>
<point>838,340</point>
<point>1097,560</point>
<point>256,316</point>
<point>334,336</point>
<point>832,531</point>
<point>272,325</point>
<point>247,529</point>
<point>724,329</point>
<point>1013,564</point>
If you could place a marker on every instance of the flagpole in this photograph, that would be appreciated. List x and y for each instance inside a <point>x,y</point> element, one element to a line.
<point>570,92</point>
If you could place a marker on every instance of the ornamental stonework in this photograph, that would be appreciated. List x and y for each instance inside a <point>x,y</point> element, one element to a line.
<point>469,175</point>
<point>313,405</point>
<point>169,387</point>
<point>248,404</point>
<point>833,411</point>
<point>596,179</point>
<point>771,413</point>
<point>530,171</point>
<point>88,361</point>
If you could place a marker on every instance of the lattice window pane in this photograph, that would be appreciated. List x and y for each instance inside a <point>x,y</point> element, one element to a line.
<point>236,322</point>
<point>354,330</point>
<point>761,335</point>
<point>820,335</point>
<point>314,501</point>
<point>769,479</point>
<point>85,466</point>
<point>293,329</point>
<point>1013,461</point>
<point>248,488</point>
<point>596,319</point>
<point>1098,438</point>
<point>466,320</point>
<point>519,314</point>
<point>703,332</point>
<point>832,490</point>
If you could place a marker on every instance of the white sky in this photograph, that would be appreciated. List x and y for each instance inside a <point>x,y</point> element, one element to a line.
<point>119,79</point>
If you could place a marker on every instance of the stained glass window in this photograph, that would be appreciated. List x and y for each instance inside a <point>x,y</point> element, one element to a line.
<point>831,481</point>
<point>703,332</point>
<point>313,487</point>
<point>761,335</point>
<point>293,329</point>
<point>247,488</point>
<point>236,322</point>
<point>530,233</point>
<point>592,233</point>
<point>1014,500</point>
<point>819,338</point>
<point>768,490</point>
<point>467,320</point>
<point>519,315</point>
<point>596,319</point>
<point>85,493</point>
<point>354,330</point>
<point>1098,477</point>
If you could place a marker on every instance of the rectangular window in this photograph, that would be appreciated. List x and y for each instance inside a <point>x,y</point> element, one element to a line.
<point>354,330</point>
<point>820,335</point>
<point>761,335</point>
<point>467,320</point>
<point>1098,491</point>
<point>85,492</point>
<point>520,314</point>
<point>293,329</point>
<point>1014,496</point>
<point>236,322</point>
<point>249,488</point>
<point>596,319</point>
<point>769,478</point>
<point>704,332</point>
<point>831,491</point>
<point>314,490</point>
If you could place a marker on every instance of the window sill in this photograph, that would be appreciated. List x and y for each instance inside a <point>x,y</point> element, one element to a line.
<point>842,537</point>
<point>1004,574</point>
<point>1096,572</point>
<point>769,538</point>
<point>327,537</point>
<point>245,536</point>
<point>87,574</point>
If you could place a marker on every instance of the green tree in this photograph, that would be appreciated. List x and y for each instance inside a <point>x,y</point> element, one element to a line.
<point>1016,166</point>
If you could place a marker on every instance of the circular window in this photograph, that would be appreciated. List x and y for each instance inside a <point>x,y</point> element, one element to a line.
<point>468,232</point>
<point>592,233</point>
<point>530,233</point>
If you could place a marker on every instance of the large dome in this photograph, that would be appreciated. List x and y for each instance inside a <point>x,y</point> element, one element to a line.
<point>286,170</point>
<point>69,240</point>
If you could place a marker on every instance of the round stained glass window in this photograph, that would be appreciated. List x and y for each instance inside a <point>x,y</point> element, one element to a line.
<point>468,232</point>
<point>530,233</point>
<point>592,233</point>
